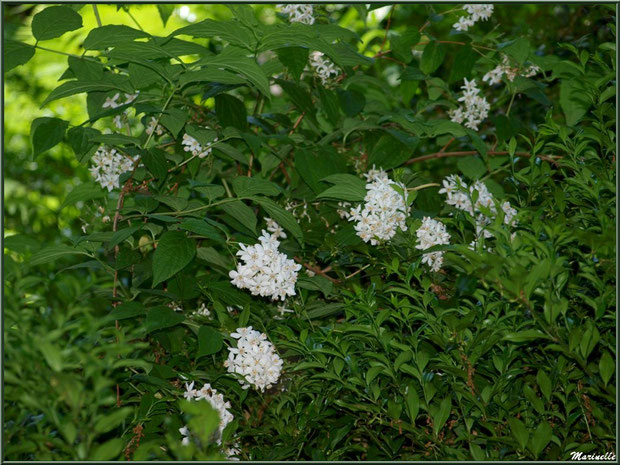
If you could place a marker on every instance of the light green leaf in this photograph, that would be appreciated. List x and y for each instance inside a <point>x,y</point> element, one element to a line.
<point>112,35</point>
<point>82,193</point>
<point>112,420</point>
<point>540,439</point>
<point>54,252</point>
<point>174,252</point>
<point>606,366</point>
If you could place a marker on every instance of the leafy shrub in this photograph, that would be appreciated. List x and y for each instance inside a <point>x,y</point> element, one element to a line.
<point>403,326</point>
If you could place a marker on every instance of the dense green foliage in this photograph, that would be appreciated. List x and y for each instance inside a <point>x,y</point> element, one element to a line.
<point>508,352</point>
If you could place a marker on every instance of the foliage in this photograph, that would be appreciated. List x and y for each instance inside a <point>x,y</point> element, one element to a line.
<point>506,353</point>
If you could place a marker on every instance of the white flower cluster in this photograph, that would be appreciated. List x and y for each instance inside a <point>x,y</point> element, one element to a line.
<point>495,75</point>
<point>254,358</point>
<point>476,107</point>
<point>323,67</point>
<point>298,13</point>
<point>275,229</point>
<point>192,145</point>
<point>477,12</point>
<point>108,165</point>
<point>384,210</point>
<point>217,402</point>
<point>202,311</point>
<point>431,233</point>
<point>460,196</point>
<point>113,102</point>
<point>153,126</point>
<point>265,271</point>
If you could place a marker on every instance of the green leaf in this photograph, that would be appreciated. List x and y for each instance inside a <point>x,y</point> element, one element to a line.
<point>441,416</point>
<point>245,66</point>
<point>230,31</point>
<point>211,74</point>
<point>155,161</point>
<point>16,54</point>
<point>390,152</point>
<point>519,431</point>
<point>606,366</point>
<point>281,216</point>
<point>544,383</point>
<point>84,69</point>
<point>248,186</point>
<point>107,451</point>
<point>231,111</point>
<point>572,100</point>
<point>53,253</point>
<point>242,213</point>
<point>347,187</point>
<point>165,11</point>
<point>115,139</point>
<point>202,228</point>
<point>46,133</point>
<point>519,50</point>
<point>127,310</point>
<point>525,336</point>
<point>351,101</point>
<point>112,35</point>
<point>77,87</point>
<point>173,120</point>
<point>540,439</point>
<point>122,235</point>
<point>174,252</point>
<point>413,403</point>
<point>210,255</point>
<point>472,167</point>
<point>294,58</point>
<point>209,341</point>
<point>464,61</point>
<point>54,21</point>
<point>402,45</point>
<point>83,193</point>
<point>432,57</point>
<point>162,317</point>
<point>112,420</point>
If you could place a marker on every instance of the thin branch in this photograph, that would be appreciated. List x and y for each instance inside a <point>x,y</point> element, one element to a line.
<point>466,153</point>
<point>317,270</point>
<point>387,28</point>
<point>97,17</point>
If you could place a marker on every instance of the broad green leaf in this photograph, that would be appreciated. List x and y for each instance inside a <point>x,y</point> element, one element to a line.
<point>211,74</point>
<point>46,133</point>
<point>174,252</point>
<point>107,451</point>
<point>525,336</point>
<point>413,403</point>
<point>210,255</point>
<point>472,167</point>
<point>607,366</point>
<point>402,45</point>
<point>83,193</point>
<point>573,101</point>
<point>202,228</point>
<point>432,57</point>
<point>155,161</point>
<point>519,431</point>
<point>165,11</point>
<point>390,152</point>
<point>347,187</point>
<point>77,87</point>
<point>53,253</point>
<point>231,111</point>
<point>351,101</point>
<point>122,235</point>
<point>174,119</point>
<point>294,58</point>
<point>544,383</point>
<point>519,50</point>
<point>115,139</point>
<point>210,341</point>
<point>441,416</point>
<point>230,31</point>
<point>85,69</point>
<point>111,420</point>
<point>162,317</point>
<point>16,54</point>
<point>464,61</point>
<point>112,35</point>
<point>245,66</point>
<point>248,186</point>
<point>54,21</point>
<point>281,216</point>
<point>127,310</point>
<point>242,213</point>
<point>541,437</point>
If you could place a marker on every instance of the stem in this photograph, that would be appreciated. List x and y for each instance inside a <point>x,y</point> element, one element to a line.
<point>549,158</point>
<point>423,186</point>
<point>387,28</point>
<point>97,17</point>
<point>148,139</point>
<point>134,19</point>
<point>512,99</point>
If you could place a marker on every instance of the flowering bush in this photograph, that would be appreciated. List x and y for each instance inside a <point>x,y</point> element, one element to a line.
<point>364,237</point>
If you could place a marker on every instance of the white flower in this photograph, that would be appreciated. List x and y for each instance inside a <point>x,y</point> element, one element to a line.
<point>282,310</point>
<point>298,13</point>
<point>477,12</point>
<point>323,67</point>
<point>202,311</point>
<point>111,102</point>
<point>475,110</point>
<point>431,233</point>
<point>154,127</point>
<point>84,226</point>
<point>108,165</point>
<point>217,402</point>
<point>105,219</point>
<point>254,358</point>
<point>264,270</point>
<point>384,212</point>
<point>186,435</point>
<point>175,306</point>
<point>192,145</point>
<point>275,229</point>
<point>483,209</point>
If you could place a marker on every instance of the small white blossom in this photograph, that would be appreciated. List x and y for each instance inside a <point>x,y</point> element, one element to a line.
<point>108,165</point>
<point>323,67</point>
<point>254,358</point>
<point>475,110</point>
<point>217,402</point>
<point>282,310</point>
<point>105,219</point>
<point>264,270</point>
<point>154,127</point>
<point>477,12</point>
<point>175,306</point>
<point>384,210</point>
<point>431,233</point>
<point>298,13</point>
<point>202,311</point>
<point>191,145</point>
<point>275,229</point>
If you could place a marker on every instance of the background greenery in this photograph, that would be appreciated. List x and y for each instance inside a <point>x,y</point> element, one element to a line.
<point>508,356</point>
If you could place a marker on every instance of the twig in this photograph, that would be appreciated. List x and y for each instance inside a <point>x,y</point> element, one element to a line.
<point>549,158</point>
<point>297,123</point>
<point>317,270</point>
<point>387,28</point>
<point>357,272</point>
<point>97,17</point>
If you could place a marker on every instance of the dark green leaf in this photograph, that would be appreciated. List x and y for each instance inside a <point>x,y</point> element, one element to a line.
<point>54,21</point>
<point>210,341</point>
<point>112,35</point>
<point>432,57</point>
<point>174,252</point>
<point>162,317</point>
<point>231,111</point>
<point>294,58</point>
<point>46,133</point>
<point>16,54</point>
<point>83,193</point>
<point>245,187</point>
